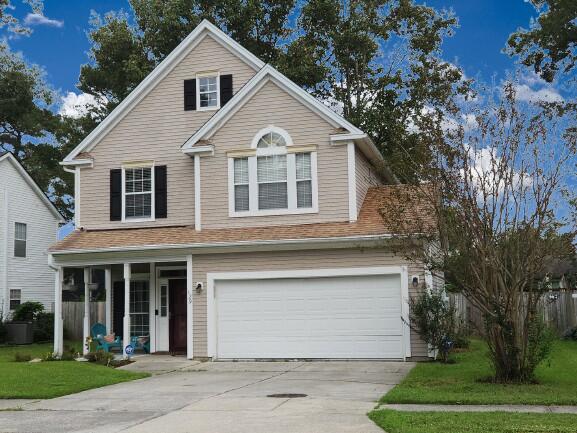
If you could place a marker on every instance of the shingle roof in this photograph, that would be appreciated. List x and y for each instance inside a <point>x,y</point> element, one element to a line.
<point>370,222</point>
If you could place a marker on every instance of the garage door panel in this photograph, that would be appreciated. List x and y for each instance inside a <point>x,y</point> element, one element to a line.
<point>335,317</point>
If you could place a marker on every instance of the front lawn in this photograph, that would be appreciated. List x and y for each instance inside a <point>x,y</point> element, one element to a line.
<point>461,383</point>
<point>52,379</point>
<point>472,422</point>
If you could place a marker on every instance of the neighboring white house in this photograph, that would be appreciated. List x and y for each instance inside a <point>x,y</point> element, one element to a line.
<point>28,226</point>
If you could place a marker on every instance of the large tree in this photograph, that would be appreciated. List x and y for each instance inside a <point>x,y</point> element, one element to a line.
<point>378,62</point>
<point>28,126</point>
<point>493,197</point>
<point>550,44</point>
<point>13,24</point>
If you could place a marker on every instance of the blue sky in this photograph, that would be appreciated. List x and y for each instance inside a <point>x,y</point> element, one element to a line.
<point>60,47</point>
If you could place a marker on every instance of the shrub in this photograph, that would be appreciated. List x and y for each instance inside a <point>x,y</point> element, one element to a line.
<point>3,330</point>
<point>460,336</point>
<point>22,357</point>
<point>100,357</point>
<point>434,318</point>
<point>27,311</point>
<point>43,327</point>
<point>50,356</point>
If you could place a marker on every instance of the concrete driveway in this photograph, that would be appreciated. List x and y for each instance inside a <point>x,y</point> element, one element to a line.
<point>231,397</point>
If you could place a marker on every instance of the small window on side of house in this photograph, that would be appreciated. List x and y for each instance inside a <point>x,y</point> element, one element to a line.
<point>15,298</point>
<point>208,92</point>
<point>19,240</point>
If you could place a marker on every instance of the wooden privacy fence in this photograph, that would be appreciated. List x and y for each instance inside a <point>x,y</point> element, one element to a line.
<point>559,310</point>
<point>73,314</point>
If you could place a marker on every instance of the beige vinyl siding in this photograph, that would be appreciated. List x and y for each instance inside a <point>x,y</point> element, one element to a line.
<point>271,105</point>
<point>155,130</point>
<point>289,260</point>
<point>366,176</point>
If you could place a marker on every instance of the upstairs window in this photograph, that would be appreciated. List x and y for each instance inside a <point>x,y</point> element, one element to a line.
<point>138,192</point>
<point>208,92</point>
<point>275,179</point>
<point>19,240</point>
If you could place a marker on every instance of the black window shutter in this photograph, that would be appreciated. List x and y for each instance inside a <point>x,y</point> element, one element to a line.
<point>115,194</point>
<point>225,89</point>
<point>160,191</point>
<point>189,95</point>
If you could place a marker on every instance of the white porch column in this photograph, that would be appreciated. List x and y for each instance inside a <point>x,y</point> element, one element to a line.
<point>152,307</point>
<point>126,321</point>
<point>189,310</point>
<point>58,322</point>
<point>108,302</point>
<point>86,329</point>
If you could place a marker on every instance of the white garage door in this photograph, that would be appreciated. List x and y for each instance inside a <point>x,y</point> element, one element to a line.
<point>329,317</point>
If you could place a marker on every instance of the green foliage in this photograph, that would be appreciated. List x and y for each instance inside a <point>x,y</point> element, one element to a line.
<point>44,327</point>
<point>100,357</point>
<point>434,319</point>
<point>469,380</point>
<point>27,311</point>
<point>53,379</point>
<point>472,422</point>
<point>28,126</point>
<point>22,357</point>
<point>3,330</point>
<point>550,44</point>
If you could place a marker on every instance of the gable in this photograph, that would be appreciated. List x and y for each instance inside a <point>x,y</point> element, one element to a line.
<point>13,174</point>
<point>172,61</point>
<point>272,106</point>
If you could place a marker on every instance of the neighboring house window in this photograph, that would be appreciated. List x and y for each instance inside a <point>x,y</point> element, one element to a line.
<point>15,298</point>
<point>208,92</point>
<point>274,179</point>
<point>19,240</point>
<point>138,197</point>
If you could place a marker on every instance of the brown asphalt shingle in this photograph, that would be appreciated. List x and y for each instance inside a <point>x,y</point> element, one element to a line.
<point>371,221</point>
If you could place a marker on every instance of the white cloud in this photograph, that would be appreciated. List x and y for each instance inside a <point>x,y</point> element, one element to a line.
<point>546,94</point>
<point>36,19</point>
<point>490,172</point>
<point>77,105</point>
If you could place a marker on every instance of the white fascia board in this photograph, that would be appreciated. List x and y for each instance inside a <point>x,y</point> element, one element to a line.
<point>200,150</point>
<point>78,163</point>
<point>12,159</point>
<point>188,44</point>
<point>316,241</point>
<point>249,89</point>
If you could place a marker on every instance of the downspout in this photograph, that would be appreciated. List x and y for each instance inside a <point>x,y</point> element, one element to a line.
<point>5,300</point>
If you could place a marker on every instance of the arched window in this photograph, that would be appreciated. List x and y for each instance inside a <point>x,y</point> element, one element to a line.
<point>275,179</point>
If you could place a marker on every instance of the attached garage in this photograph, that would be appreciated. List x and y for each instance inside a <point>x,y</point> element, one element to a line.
<point>322,314</point>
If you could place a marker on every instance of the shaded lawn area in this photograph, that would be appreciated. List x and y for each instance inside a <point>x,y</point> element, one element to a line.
<point>460,383</point>
<point>52,379</point>
<point>473,422</point>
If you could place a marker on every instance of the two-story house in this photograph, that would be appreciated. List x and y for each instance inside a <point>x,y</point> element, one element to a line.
<point>237,217</point>
<point>28,227</point>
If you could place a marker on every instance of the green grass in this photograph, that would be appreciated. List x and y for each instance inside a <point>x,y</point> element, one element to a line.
<point>473,422</point>
<point>52,379</point>
<point>460,383</point>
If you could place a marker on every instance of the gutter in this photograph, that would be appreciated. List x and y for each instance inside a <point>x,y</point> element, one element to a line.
<point>195,246</point>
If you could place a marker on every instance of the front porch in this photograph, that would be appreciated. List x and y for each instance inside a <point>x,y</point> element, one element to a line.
<point>148,305</point>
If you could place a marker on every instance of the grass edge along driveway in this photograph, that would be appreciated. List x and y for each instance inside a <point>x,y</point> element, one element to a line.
<point>52,379</point>
<point>462,382</point>
<point>472,422</point>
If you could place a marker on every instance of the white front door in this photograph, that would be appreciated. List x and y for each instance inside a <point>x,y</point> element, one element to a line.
<point>162,316</point>
<point>346,317</point>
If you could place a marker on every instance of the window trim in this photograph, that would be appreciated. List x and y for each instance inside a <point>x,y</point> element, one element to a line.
<point>215,74</point>
<point>129,165</point>
<point>292,208</point>
<point>10,299</point>
<point>25,240</point>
